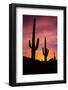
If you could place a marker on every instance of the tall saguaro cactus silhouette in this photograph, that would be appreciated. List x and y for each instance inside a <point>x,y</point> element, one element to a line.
<point>33,46</point>
<point>45,51</point>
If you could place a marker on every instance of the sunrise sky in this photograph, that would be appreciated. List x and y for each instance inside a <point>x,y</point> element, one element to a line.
<point>46,26</point>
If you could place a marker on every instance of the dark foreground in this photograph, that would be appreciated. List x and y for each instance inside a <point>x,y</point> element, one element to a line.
<point>38,67</point>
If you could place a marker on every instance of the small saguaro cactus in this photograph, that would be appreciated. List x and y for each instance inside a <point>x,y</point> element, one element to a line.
<point>45,51</point>
<point>33,46</point>
<point>54,56</point>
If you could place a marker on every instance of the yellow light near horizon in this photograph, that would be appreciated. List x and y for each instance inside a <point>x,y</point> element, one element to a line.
<point>40,56</point>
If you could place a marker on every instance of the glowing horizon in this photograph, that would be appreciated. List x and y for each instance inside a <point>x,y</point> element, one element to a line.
<point>46,26</point>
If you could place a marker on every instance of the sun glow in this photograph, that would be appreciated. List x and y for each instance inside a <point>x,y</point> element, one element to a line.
<point>39,56</point>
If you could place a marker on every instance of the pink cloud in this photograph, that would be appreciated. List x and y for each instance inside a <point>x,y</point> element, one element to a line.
<point>45,26</point>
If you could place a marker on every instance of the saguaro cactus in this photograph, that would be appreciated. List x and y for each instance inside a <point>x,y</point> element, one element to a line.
<point>54,56</point>
<point>45,51</point>
<point>33,46</point>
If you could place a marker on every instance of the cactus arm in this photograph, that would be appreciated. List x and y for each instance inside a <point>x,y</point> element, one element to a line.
<point>47,50</point>
<point>43,51</point>
<point>37,44</point>
<point>30,44</point>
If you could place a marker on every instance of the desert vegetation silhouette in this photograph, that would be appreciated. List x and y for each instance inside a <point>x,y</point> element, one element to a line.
<point>33,66</point>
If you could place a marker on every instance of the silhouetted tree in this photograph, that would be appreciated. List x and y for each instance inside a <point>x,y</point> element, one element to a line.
<point>33,46</point>
<point>45,51</point>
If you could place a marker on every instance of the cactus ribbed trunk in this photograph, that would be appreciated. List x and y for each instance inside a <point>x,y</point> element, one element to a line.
<point>33,46</point>
<point>33,41</point>
<point>33,54</point>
